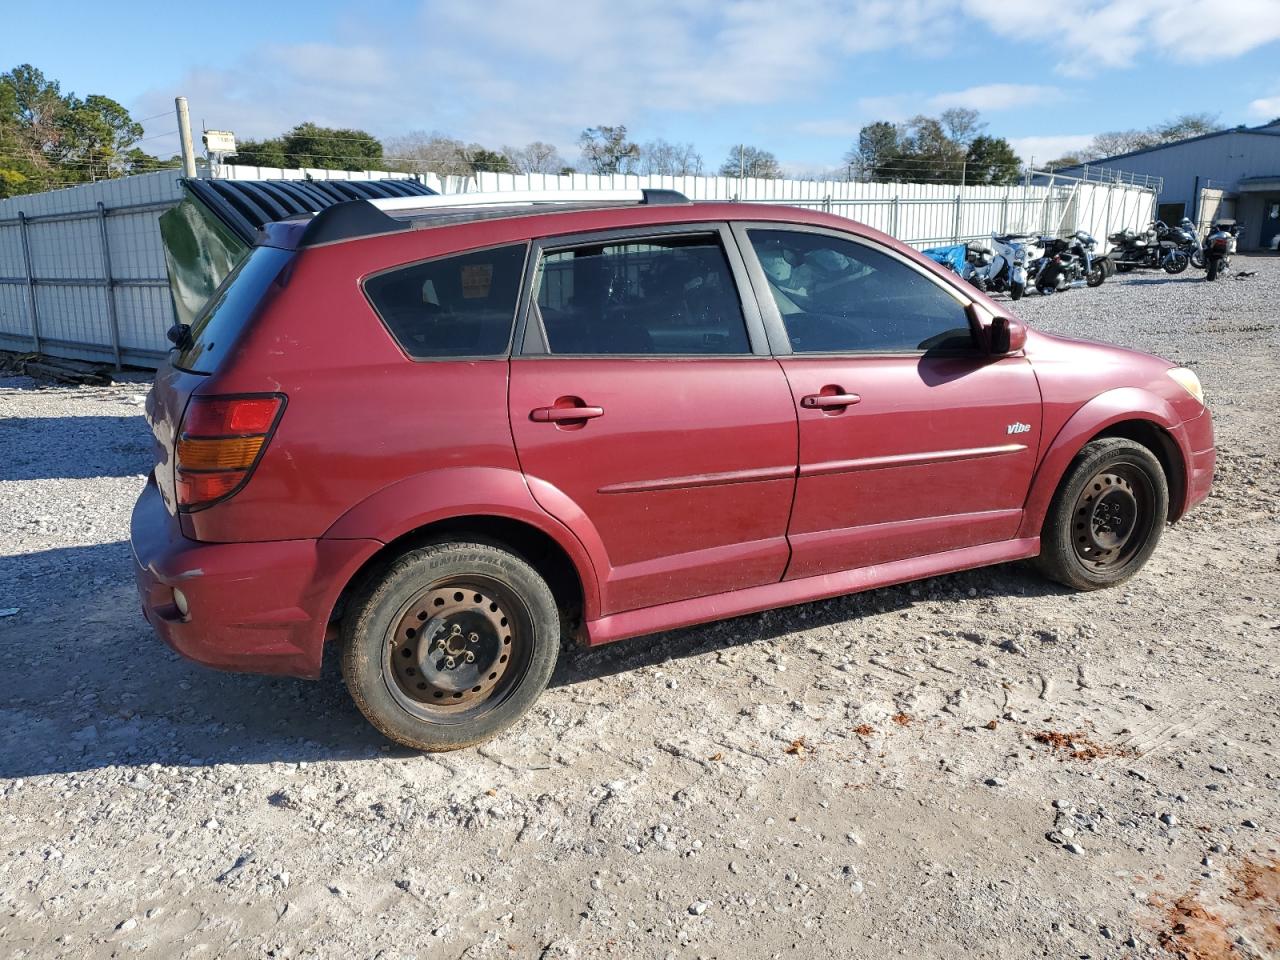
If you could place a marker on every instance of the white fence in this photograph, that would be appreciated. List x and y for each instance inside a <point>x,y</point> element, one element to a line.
<point>82,270</point>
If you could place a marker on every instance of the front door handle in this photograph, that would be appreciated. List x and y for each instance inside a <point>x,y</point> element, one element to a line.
<point>565,413</point>
<point>828,401</point>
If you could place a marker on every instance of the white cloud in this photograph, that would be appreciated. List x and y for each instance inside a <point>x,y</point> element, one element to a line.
<point>1265,108</point>
<point>508,71</point>
<point>991,97</point>
<point>1046,148</point>
<point>1099,34</point>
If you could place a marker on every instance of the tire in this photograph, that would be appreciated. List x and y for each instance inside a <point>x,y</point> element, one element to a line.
<point>1016,290</point>
<point>1106,517</point>
<point>494,643</point>
<point>1177,263</point>
<point>1197,259</point>
<point>1123,267</point>
<point>1211,271</point>
<point>1096,276</point>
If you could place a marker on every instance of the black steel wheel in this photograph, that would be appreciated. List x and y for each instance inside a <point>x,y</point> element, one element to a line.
<point>450,645</point>
<point>1106,516</point>
<point>461,645</point>
<point>1176,262</point>
<point>1112,515</point>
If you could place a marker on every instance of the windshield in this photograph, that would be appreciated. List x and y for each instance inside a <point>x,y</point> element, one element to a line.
<point>218,326</point>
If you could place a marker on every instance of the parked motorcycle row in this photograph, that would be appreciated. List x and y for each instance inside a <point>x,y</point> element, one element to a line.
<point>1013,263</point>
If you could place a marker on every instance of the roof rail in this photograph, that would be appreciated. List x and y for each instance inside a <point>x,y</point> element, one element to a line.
<point>519,198</point>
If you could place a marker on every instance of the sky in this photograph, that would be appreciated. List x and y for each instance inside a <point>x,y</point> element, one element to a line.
<point>798,78</point>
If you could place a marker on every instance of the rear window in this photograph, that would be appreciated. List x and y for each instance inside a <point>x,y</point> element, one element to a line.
<point>461,306</point>
<point>216,328</point>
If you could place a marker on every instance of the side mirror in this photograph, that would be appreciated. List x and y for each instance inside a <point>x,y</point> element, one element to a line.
<point>1007,335</point>
<point>179,335</point>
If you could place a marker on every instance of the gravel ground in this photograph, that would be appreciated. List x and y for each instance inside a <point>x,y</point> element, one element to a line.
<point>980,764</point>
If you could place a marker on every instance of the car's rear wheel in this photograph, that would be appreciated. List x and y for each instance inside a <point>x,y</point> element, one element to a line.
<point>452,644</point>
<point>1106,516</point>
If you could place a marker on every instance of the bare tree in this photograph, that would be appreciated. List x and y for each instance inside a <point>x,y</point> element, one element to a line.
<point>664,158</point>
<point>962,124</point>
<point>421,152</point>
<point>607,150</point>
<point>751,161</point>
<point>535,157</point>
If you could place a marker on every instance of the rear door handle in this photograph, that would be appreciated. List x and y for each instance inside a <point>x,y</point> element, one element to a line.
<point>825,401</point>
<point>561,414</point>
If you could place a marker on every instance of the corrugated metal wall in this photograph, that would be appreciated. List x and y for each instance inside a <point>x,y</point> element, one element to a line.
<point>112,303</point>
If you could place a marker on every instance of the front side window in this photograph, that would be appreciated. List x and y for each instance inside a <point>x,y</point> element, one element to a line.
<point>459,306</point>
<point>672,296</point>
<point>838,296</point>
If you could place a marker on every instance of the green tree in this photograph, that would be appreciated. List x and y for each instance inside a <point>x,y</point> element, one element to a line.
<point>607,150</point>
<point>332,148</point>
<point>877,145</point>
<point>991,160</point>
<point>748,161</point>
<point>260,153</point>
<point>50,139</point>
<point>484,160</point>
<point>310,145</point>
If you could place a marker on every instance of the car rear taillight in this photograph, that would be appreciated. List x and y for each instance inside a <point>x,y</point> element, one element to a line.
<point>219,443</point>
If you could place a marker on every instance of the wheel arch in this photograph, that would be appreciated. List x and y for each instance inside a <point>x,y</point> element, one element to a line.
<point>1130,412</point>
<point>1159,441</point>
<point>489,504</point>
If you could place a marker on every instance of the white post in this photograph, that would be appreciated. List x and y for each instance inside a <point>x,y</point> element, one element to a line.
<point>184,135</point>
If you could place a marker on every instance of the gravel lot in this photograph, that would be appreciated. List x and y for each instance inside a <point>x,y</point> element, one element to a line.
<point>977,765</point>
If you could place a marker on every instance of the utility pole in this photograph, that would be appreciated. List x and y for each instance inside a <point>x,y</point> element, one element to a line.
<point>741,161</point>
<point>184,134</point>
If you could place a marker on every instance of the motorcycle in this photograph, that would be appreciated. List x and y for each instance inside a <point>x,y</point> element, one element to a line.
<point>1219,245</point>
<point>1068,260</point>
<point>1159,247</point>
<point>1002,268</point>
<point>1193,247</point>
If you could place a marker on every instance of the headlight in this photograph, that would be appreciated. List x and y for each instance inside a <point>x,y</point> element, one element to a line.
<point>1188,381</point>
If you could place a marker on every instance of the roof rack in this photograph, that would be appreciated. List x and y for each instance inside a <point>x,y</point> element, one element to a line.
<point>364,218</point>
<point>519,198</point>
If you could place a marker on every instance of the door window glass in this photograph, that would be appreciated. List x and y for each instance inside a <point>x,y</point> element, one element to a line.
<point>672,296</point>
<point>838,296</point>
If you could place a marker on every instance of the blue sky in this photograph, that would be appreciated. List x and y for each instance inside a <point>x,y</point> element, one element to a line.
<point>798,78</point>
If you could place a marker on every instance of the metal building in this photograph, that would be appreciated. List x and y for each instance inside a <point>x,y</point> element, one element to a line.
<point>1230,173</point>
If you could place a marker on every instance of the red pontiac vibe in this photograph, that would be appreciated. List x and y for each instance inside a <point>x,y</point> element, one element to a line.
<point>441,432</point>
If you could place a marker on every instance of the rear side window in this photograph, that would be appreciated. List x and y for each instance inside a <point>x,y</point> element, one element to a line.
<point>459,306</point>
<point>216,328</point>
<point>664,297</point>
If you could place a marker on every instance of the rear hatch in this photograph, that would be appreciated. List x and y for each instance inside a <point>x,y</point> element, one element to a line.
<point>219,274</point>
<point>211,338</point>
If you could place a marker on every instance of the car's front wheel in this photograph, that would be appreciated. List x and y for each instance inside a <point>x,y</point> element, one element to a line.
<point>1106,516</point>
<point>450,645</point>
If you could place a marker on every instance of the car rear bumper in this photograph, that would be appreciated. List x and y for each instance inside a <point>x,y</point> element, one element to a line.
<point>253,607</point>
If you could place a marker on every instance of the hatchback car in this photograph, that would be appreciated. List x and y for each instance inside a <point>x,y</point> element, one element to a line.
<point>446,432</point>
